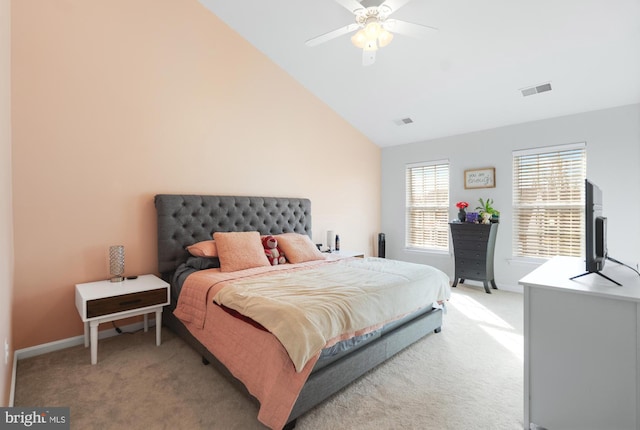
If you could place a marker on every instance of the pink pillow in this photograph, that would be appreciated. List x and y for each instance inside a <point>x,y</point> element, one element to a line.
<point>206,248</point>
<point>298,248</point>
<point>240,250</point>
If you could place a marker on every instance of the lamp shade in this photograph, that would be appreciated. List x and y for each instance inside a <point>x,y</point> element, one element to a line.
<point>116,263</point>
<point>359,39</point>
<point>384,38</point>
<point>372,30</point>
<point>331,237</point>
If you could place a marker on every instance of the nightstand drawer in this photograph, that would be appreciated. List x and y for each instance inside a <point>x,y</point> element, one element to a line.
<point>125,302</point>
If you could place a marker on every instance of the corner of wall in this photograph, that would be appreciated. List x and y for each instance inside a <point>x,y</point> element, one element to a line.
<point>6,209</point>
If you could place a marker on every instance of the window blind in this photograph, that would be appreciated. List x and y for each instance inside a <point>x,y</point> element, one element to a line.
<point>548,201</point>
<point>427,205</point>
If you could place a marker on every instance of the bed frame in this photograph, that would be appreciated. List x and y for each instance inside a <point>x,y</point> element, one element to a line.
<point>186,219</point>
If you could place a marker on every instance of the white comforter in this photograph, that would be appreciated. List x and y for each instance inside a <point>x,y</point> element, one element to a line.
<point>307,309</point>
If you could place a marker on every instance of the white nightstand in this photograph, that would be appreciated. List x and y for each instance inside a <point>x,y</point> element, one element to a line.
<point>104,301</point>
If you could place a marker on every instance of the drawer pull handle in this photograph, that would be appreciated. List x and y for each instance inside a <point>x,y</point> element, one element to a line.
<point>130,302</point>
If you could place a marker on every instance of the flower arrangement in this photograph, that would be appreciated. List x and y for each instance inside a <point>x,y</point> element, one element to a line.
<point>462,215</point>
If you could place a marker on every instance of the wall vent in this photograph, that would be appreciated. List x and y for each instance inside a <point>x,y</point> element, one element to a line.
<point>536,90</point>
<point>403,121</point>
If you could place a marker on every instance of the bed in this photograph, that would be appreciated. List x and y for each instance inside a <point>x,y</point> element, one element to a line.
<point>238,345</point>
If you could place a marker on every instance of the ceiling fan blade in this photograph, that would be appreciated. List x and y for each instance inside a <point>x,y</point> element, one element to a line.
<point>368,57</point>
<point>331,35</point>
<point>394,5</point>
<point>350,5</point>
<point>410,29</point>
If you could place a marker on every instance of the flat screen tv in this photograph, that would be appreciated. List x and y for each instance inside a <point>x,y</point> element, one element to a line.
<point>595,231</point>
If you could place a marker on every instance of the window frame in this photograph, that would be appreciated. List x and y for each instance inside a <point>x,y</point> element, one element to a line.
<point>546,233</point>
<point>437,239</point>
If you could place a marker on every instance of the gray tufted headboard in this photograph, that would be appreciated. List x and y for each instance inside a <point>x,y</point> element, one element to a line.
<point>186,219</point>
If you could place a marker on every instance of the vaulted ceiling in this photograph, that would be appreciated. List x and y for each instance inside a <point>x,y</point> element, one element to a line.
<point>465,77</point>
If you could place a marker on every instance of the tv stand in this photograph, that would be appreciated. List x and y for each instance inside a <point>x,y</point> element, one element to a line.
<point>605,276</point>
<point>581,367</point>
<point>597,273</point>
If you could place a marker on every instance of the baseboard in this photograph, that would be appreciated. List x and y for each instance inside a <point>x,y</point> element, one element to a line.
<point>57,345</point>
<point>12,390</point>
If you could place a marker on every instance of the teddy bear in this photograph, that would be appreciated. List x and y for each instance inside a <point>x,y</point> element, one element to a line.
<point>272,251</point>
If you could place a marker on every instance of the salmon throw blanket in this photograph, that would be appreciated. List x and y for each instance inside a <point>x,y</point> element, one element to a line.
<point>306,307</point>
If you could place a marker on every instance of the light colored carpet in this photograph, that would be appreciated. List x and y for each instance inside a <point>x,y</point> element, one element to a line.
<point>469,376</point>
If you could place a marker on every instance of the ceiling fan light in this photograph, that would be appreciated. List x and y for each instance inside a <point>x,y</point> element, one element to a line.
<point>385,38</point>
<point>359,39</point>
<point>371,45</point>
<point>372,30</point>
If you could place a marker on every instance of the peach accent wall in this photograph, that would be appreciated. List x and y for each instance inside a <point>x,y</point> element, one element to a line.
<point>115,101</point>
<point>6,225</point>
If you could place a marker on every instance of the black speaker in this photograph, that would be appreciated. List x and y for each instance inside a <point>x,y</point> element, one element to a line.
<point>381,245</point>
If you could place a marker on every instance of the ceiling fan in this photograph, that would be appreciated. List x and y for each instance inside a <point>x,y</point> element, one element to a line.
<point>375,29</point>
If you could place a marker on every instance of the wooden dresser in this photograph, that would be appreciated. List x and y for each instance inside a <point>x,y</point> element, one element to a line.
<point>473,248</point>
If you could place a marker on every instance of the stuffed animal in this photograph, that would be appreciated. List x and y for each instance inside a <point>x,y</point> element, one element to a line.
<point>272,251</point>
<point>486,218</point>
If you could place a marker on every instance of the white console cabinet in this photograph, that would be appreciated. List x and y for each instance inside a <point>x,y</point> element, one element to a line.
<point>581,339</point>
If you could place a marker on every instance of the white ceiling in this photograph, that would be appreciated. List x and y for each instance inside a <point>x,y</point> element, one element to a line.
<point>466,76</point>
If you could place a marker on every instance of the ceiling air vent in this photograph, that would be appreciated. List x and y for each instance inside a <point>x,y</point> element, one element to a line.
<point>403,121</point>
<point>536,90</point>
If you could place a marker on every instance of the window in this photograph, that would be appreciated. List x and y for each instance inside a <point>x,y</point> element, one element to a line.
<point>427,205</point>
<point>548,201</point>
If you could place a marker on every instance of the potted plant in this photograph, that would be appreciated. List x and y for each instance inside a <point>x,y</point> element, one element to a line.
<point>486,206</point>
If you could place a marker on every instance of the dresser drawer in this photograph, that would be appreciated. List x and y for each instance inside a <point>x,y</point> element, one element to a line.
<point>471,268</point>
<point>481,235</point>
<point>471,263</point>
<point>125,302</point>
<point>471,230</point>
<point>470,273</point>
<point>459,244</point>
<point>471,253</point>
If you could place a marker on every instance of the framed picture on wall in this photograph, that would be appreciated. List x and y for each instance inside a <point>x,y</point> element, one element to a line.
<point>480,178</point>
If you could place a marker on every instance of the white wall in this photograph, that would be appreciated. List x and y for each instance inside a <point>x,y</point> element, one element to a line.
<point>612,139</point>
